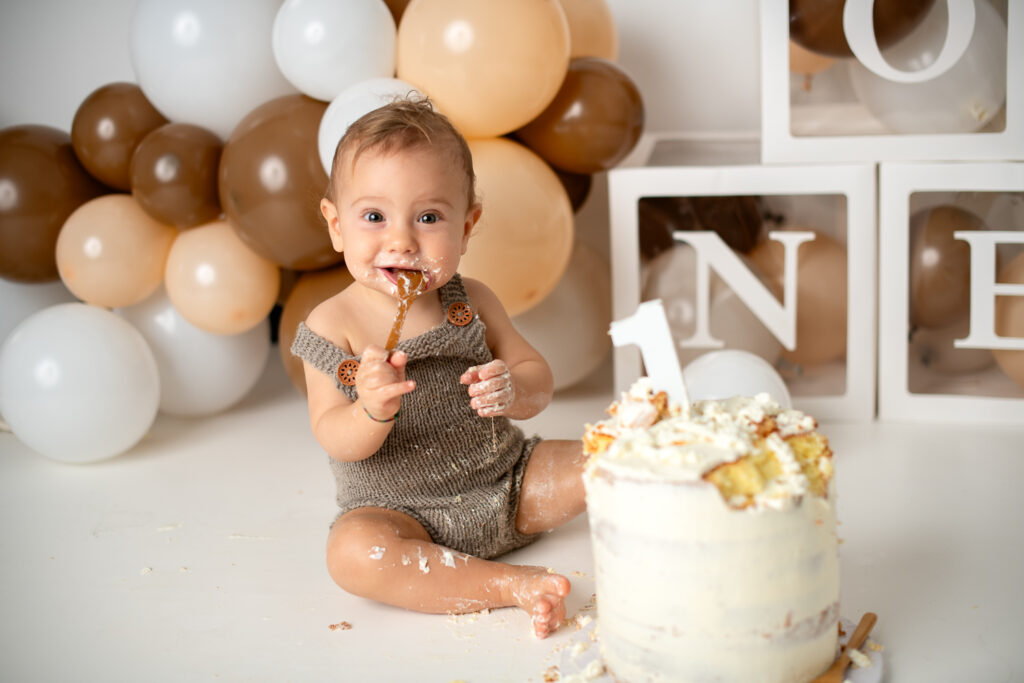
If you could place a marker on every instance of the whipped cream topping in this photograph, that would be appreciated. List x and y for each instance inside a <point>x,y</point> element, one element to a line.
<point>676,444</point>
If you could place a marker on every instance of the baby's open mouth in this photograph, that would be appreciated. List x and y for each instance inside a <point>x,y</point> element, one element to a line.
<point>393,274</point>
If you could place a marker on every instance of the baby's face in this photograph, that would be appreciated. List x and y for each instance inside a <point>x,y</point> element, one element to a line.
<point>401,210</point>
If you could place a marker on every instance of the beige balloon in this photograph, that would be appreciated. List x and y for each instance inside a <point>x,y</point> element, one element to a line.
<point>1010,320</point>
<point>803,61</point>
<point>218,283</point>
<point>492,66</point>
<point>592,31</point>
<point>820,296</point>
<point>940,265</point>
<point>521,246</point>
<point>111,253</point>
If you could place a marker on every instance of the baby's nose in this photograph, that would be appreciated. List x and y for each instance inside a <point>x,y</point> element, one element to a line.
<point>401,239</point>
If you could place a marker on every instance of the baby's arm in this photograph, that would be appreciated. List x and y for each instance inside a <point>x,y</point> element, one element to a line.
<point>350,430</point>
<point>518,383</point>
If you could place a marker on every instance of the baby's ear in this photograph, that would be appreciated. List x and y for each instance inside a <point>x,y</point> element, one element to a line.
<point>472,216</point>
<point>330,212</point>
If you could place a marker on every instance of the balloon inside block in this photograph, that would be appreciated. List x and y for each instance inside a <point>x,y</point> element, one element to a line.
<point>271,181</point>
<point>206,63</point>
<point>592,30</point>
<point>820,299</point>
<point>353,102</point>
<point>108,125</point>
<point>324,46</point>
<point>718,375</point>
<point>311,289</point>
<point>41,183</point>
<point>817,25</point>
<point>217,283</point>
<point>736,219</point>
<point>201,373</point>
<point>112,253</point>
<point>491,67</point>
<point>582,298</point>
<point>940,265</point>
<point>174,175</point>
<point>521,246</point>
<point>806,63</point>
<point>19,300</point>
<point>593,122</point>
<point>671,277</point>
<point>77,383</point>
<point>1010,320</point>
<point>963,99</point>
<point>932,348</point>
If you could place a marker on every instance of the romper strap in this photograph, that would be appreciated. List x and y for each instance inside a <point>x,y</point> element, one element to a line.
<point>321,353</point>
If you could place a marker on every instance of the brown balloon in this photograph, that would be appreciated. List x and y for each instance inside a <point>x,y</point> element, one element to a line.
<point>41,184</point>
<point>817,25</point>
<point>108,126</point>
<point>174,174</point>
<point>820,296</point>
<point>940,265</point>
<point>310,289</point>
<point>1010,320</point>
<point>577,186</point>
<point>658,217</point>
<point>397,8</point>
<point>736,219</point>
<point>271,182</point>
<point>593,122</point>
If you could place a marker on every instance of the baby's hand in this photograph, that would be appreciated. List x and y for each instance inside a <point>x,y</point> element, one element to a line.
<point>381,382</point>
<point>490,388</point>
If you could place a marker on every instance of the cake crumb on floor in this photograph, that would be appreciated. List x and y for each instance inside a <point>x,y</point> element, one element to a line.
<point>340,626</point>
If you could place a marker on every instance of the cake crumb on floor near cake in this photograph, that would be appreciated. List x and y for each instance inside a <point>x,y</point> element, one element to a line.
<point>340,626</point>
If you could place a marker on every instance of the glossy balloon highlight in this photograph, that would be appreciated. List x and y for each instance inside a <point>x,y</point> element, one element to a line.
<point>174,175</point>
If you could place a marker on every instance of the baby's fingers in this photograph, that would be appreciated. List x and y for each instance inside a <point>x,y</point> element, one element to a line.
<point>490,386</point>
<point>496,368</point>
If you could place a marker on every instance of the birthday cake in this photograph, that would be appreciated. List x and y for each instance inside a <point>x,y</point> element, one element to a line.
<point>714,539</point>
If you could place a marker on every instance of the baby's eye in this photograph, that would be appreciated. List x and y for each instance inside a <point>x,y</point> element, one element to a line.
<point>429,218</point>
<point>373,216</point>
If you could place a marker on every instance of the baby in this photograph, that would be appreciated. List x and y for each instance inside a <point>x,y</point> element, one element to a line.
<point>432,479</point>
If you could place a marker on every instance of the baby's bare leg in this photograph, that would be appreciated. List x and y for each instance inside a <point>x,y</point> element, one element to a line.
<point>552,486</point>
<point>388,556</point>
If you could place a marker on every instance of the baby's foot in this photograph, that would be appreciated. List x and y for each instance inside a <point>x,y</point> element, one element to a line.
<point>542,595</point>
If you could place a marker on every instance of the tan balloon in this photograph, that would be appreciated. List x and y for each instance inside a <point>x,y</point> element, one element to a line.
<point>111,253</point>
<point>592,31</point>
<point>940,265</point>
<point>803,61</point>
<point>521,246</point>
<point>1010,320</point>
<point>309,290</point>
<point>218,283</point>
<point>491,66</point>
<point>820,296</point>
<point>933,349</point>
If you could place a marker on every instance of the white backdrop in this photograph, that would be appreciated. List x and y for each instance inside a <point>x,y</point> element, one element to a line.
<point>696,63</point>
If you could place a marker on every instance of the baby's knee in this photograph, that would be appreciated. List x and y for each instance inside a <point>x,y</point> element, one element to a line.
<point>353,558</point>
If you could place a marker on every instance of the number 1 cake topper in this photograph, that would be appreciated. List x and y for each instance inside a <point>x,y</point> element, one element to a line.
<point>648,329</point>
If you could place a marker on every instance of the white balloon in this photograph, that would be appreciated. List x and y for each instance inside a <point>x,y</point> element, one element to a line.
<point>671,277</point>
<point>569,327</point>
<point>206,62</point>
<point>200,372</point>
<point>78,383</point>
<point>19,300</point>
<point>728,373</point>
<point>324,46</point>
<point>356,100</point>
<point>961,100</point>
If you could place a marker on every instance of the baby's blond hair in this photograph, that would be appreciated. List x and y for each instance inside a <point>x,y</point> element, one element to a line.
<point>404,123</point>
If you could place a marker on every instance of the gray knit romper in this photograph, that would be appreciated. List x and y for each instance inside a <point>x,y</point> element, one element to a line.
<point>457,474</point>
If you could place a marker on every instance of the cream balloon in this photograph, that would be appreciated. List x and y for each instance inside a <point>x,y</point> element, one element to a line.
<point>77,383</point>
<point>353,102</point>
<point>718,375</point>
<point>324,46</point>
<point>669,276</point>
<point>201,373</point>
<point>217,282</point>
<point>592,31</point>
<point>111,253</point>
<point>582,303</point>
<point>521,246</point>
<point>820,297</point>
<point>491,67</point>
<point>932,348</point>
<point>1010,320</point>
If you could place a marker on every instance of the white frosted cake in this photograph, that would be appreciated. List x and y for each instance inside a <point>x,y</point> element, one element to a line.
<point>714,539</point>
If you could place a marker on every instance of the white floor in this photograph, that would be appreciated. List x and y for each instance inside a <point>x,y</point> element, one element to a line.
<point>199,556</point>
